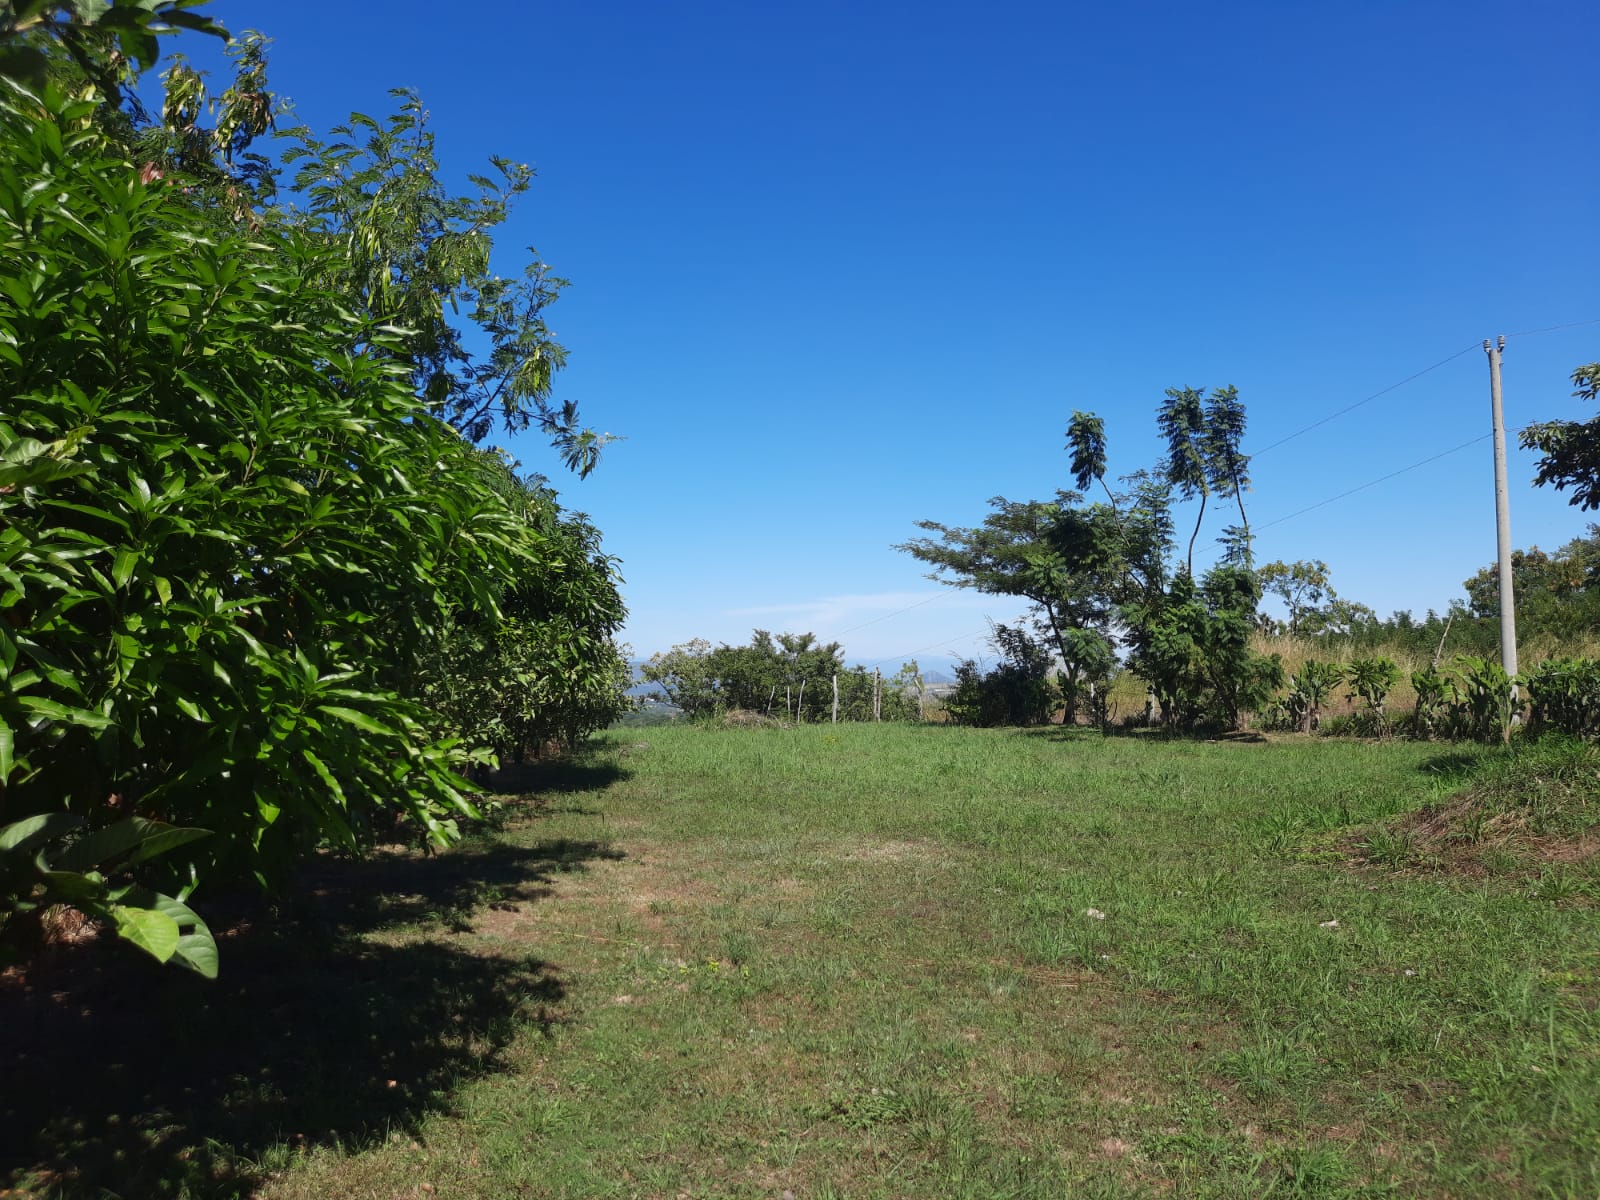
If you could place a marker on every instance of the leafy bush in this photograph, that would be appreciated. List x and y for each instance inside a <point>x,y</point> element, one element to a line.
<point>544,671</point>
<point>225,536</point>
<point>1433,696</point>
<point>1309,690</point>
<point>1016,692</point>
<point>1564,696</point>
<point>1370,680</point>
<point>47,860</point>
<point>1488,704</point>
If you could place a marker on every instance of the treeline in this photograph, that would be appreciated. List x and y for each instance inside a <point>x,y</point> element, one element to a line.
<point>1557,599</point>
<point>1115,596</point>
<point>1111,583</point>
<point>790,676</point>
<point>262,590</point>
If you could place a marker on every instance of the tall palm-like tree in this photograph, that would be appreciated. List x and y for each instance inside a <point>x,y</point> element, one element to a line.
<point>1227,466</point>
<point>1182,422</point>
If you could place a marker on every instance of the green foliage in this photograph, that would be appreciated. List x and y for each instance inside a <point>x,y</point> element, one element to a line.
<point>107,41</point>
<point>215,163</point>
<point>1309,690</point>
<point>1097,574</point>
<point>1228,467</point>
<point>544,670</point>
<point>1488,701</point>
<point>1433,692</point>
<point>1571,449</point>
<point>48,859</point>
<point>791,676</point>
<point>1302,586</point>
<point>1557,595</point>
<point>1076,562</point>
<point>1015,692</point>
<point>1191,644</point>
<point>1370,680</point>
<point>419,257</point>
<point>1564,697</point>
<point>1086,441</point>
<point>225,535</point>
<point>685,677</point>
<point>1089,658</point>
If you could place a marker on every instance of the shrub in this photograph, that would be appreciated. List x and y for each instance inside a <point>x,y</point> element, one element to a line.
<point>1564,697</point>
<point>225,535</point>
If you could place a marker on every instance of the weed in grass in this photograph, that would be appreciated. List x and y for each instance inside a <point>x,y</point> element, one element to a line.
<point>1390,848</point>
<point>1498,860</point>
<point>1315,1171</point>
<point>1268,1063</point>
<point>1556,884</point>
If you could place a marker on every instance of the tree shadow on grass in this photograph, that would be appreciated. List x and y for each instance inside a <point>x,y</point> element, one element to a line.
<point>1456,766</point>
<point>328,1025</point>
<point>530,785</point>
<point>1063,733</point>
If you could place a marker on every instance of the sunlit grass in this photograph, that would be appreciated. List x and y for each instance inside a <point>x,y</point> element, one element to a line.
<point>861,961</point>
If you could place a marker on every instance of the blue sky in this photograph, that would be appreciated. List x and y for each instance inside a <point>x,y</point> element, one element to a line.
<point>838,267</point>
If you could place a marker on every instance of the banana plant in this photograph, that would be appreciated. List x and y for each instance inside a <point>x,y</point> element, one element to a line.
<point>1370,680</point>
<point>1309,689</point>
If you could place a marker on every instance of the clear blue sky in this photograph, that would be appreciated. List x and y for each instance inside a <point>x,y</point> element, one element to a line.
<point>837,267</point>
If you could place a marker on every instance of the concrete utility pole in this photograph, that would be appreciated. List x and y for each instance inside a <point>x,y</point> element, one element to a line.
<point>1502,513</point>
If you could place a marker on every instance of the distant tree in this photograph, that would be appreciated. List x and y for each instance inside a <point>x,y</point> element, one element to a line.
<point>1228,467</point>
<point>1339,618</point>
<point>790,675</point>
<point>1086,442</point>
<point>1191,643</point>
<point>1557,594</point>
<point>1075,562</point>
<point>1302,586</point>
<point>1098,573</point>
<point>685,677</point>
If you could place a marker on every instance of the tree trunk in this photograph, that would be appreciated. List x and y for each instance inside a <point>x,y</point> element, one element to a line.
<point>1196,533</point>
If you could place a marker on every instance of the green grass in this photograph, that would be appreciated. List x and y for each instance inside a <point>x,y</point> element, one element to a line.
<point>858,961</point>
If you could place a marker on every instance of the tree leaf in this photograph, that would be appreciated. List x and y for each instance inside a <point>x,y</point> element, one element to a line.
<point>22,836</point>
<point>62,712</point>
<point>136,837</point>
<point>359,719</point>
<point>122,567</point>
<point>154,932</point>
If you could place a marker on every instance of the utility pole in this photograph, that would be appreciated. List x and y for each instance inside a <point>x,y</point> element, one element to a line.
<point>1502,513</point>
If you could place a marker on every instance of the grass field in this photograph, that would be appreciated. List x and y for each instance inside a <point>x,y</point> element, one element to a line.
<point>866,961</point>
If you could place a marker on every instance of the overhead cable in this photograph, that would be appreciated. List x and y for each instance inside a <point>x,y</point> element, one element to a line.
<point>1482,437</point>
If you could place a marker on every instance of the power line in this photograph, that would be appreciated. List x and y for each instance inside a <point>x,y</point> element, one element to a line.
<point>1381,479</point>
<point>1352,407</point>
<point>896,613</point>
<point>1555,328</point>
<point>936,645</point>
<point>1410,378</point>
